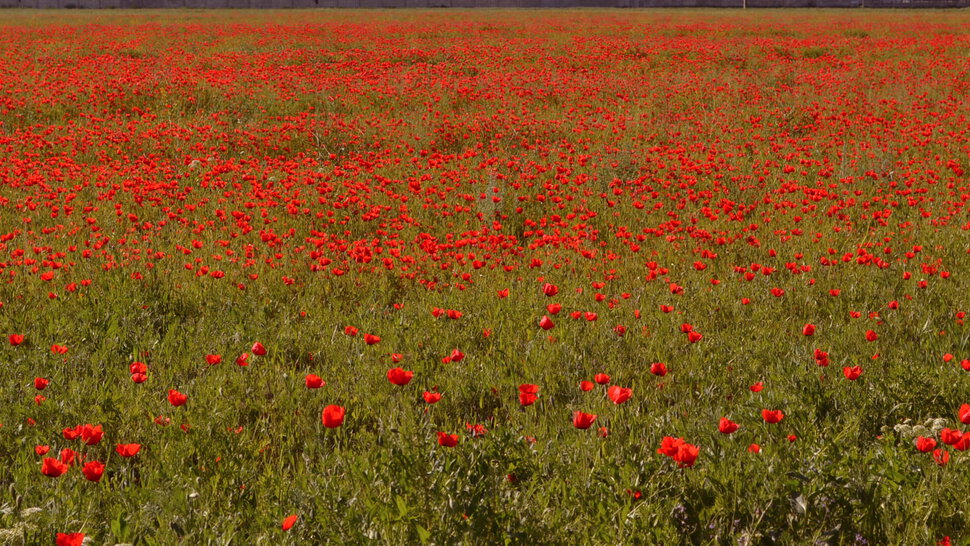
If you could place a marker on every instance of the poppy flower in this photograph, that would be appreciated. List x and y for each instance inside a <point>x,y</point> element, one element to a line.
<point>16,339</point>
<point>852,373</point>
<point>258,349</point>
<point>69,539</point>
<point>964,414</point>
<point>371,339</point>
<point>350,331</point>
<point>528,394</point>
<point>619,394</point>
<point>772,416</point>
<point>550,290</point>
<point>137,367</point>
<point>694,337</point>
<point>139,377</point>
<point>72,433</point>
<point>757,387</point>
<point>659,369</point>
<point>686,455</point>
<point>431,397</point>
<point>546,323</point>
<point>456,356</point>
<point>243,360</point>
<point>399,376</point>
<point>871,335</point>
<point>792,437</point>
<point>91,435</point>
<point>176,398</point>
<point>941,456</point>
<point>40,383</point>
<point>667,308</point>
<point>289,521</point>
<point>554,309</point>
<point>925,445</point>
<point>212,360</point>
<point>396,357</point>
<point>586,386</point>
<point>727,426</point>
<point>42,450</point>
<point>965,364</point>
<point>583,420</point>
<point>590,316</point>
<point>669,446</point>
<point>808,330</point>
<point>447,440</point>
<point>333,416</point>
<point>601,378</point>
<point>93,470</point>
<point>128,450</point>
<point>67,456</point>
<point>314,381</point>
<point>950,436</point>
<point>754,448</point>
<point>963,443</point>
<point>53,468</point>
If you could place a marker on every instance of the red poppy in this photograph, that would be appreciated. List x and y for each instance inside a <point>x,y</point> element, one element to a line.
<point>964,414</point>
<point>314,381</point>
<point>950,436</point>
<point>686,455</point>
<point>659,369</point>
<point>289,521</point>
<point>431,397</point>
<point>550,290</point>
<point>176,398</point>
<point>583,420</point>
<point>528,394</point>
<point>53,468</point>
<point>925,445</point>
<point>213,359</point>
<point>399,376</point>
<point>601,378</point>
<point>72,433</point>
<point>586,385</point>
<point>67,456</point>
<point>350,330</point>
<point>554,309</point>
<point>669,446</point>
<point>456,356</point>
<point>852,373</point>
<point>93,470</point>
<point>137,367</point>
<point>139,377</point>
<point>69,539</point>
<point>447,440</point>
<point>16,339</point>
<point>772,416</point>
<point>808,330</point>
<point>941,456</point>
<point>667,308</point>
<point>371,339</point>
<point>727,426</point>
<point>757,387</point>
<point>965,364</point>
<point>42,450</point>
<point>619,394</point>
<point>258,349</point>
<point>546,323</point>
<point>963,443</point>
<point>754,448</point>
<point>128,450</point>
<point>333,416</point>
<point>694,337</point>
<point>243,360</point>
<point>40,383</point>
<point>91,435</point>
<point>871,335</point>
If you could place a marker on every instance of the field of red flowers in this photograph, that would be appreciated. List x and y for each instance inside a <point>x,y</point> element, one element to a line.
<point>530,277</point>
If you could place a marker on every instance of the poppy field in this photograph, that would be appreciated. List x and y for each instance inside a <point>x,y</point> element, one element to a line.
<point>527,277</point>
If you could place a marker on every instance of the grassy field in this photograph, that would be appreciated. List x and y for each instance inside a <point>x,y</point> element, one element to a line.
<point>215,225</point>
